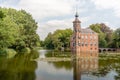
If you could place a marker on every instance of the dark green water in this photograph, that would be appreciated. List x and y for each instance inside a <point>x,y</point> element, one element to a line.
<point>22,68</point>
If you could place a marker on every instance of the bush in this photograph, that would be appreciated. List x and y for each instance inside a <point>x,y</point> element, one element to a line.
<point>3,52</point>
<point>8,52</point>
<point>67,50</point>
<point>26,50</point>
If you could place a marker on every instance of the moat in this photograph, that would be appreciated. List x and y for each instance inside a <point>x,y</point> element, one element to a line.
<point>26,67</point>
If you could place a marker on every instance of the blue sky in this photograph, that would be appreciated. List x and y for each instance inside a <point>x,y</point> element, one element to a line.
<point>59,14</point>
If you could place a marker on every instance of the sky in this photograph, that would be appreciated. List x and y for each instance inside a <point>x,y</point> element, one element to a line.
<point>59,14</point>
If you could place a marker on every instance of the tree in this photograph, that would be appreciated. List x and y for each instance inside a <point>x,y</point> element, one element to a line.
<point>60,38</point>
<point>116,38</point>
<point>8,32</point>
<point>17,29</point>
<point>108,32</point>
<point>1,15</point>
<point>105,34</point>
<point>96,28</point>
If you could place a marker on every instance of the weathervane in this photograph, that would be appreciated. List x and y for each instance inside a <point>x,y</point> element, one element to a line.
<point>76,9</point>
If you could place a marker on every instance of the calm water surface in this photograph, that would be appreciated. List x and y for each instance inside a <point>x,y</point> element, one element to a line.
<point>21,67</point>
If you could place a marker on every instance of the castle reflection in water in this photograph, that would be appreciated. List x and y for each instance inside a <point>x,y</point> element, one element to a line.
<point>83,66</point>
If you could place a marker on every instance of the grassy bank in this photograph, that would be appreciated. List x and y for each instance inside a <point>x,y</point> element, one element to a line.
<point>109,55</point>
<point>9,53</point>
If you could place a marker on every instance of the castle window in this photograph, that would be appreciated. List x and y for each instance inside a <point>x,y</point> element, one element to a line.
<point>95,44</point>
<point>86,37</point>
<point>86,44</point>
<point>75,30</point>
<point>79,44</point>
<point>82,37</point>
<point>91,54</point>
<point>82,44</point>
<point>78,37</point>
<point>79,31</point>
<point>91,44</point>
<point>95,37</point>
<point>73,37</point>
<point>90,37</point>
<point>73,44</point>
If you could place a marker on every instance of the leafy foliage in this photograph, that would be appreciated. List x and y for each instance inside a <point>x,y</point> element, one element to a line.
<point>17,29</point>
<point>116,38</point>
<point>60,38</point>
<point>105,34</point>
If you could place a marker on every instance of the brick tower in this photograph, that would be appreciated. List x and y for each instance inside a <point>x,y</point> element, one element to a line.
<point>83,42</point>
<point>76,32</point>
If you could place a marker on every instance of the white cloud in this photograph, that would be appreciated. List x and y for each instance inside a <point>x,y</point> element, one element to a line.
<point>108,4</point>
<point>47,12</point>
<point>52,25</point>
<point>44,9</point>
<point>8,3</point>
<point>41,9</point>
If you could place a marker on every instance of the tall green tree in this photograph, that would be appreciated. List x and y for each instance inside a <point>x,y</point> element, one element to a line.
<point>60,38</point>
<point>8,32</point>
<point>1,15</point>
<point>48,42</point>
<point>116,38</point>
<point>105,34</point>
<point>17,29</point>
<point>96,28</point>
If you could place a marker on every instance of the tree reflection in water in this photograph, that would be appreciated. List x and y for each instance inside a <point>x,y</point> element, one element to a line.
<point>18,68</point>
<point>81,68</point>
<point>90,68</point>
<point>107,64</point>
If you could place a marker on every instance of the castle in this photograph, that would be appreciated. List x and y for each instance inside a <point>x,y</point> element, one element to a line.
<point>83,42</point>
